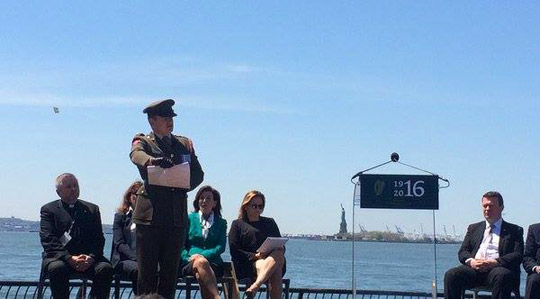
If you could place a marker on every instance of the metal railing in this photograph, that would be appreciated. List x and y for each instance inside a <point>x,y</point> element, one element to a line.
<point>28,289</point>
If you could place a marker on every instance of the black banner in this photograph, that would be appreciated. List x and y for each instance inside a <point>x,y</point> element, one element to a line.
<point>387,191</point>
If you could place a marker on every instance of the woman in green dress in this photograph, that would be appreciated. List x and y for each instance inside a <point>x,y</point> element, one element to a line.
<point>205,242</point>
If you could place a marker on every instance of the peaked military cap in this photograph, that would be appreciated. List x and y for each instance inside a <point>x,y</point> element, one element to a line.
<point>160,108</point>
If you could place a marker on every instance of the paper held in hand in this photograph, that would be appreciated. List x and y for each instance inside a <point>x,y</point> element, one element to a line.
<point>177,176</point>
<point>271,244</point>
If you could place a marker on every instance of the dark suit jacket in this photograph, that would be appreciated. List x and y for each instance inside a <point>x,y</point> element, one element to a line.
<point>86,233</point>
<point>531,257</point>
<point>121,246</point>
<point>510,244</point>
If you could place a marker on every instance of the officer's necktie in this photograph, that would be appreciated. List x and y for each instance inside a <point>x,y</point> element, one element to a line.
<point>167,140</point>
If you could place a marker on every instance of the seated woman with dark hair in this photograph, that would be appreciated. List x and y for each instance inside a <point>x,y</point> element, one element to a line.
<point>205,242</point>
<point>123,257</point>
<point>247,234</point>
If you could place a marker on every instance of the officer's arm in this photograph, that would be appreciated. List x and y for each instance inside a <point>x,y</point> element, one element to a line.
<point>196,172</point>
<point>138,154</point>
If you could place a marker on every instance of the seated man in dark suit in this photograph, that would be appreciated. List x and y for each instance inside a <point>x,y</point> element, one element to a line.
<point>72,239</point>
<point>531,262</point>
<point>491,254</point>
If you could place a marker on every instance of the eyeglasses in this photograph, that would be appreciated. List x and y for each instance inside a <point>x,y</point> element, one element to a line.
<point>256,206</point>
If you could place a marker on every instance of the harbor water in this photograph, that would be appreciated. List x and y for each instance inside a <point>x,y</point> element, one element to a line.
<point>310,264</point>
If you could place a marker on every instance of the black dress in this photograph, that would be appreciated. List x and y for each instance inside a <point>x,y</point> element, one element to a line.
<point>245,238</point>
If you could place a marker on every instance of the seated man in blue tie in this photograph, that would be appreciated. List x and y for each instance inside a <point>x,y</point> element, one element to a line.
<point>491,254</point>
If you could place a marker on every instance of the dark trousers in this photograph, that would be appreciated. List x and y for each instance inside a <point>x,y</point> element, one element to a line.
<point>532,291</point>
<point>128,269</point>
<point>100,273</point>
<point>158,256</point>
<point>501,280</point>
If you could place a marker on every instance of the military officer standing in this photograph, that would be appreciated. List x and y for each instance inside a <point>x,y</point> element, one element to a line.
<point>161,212</point>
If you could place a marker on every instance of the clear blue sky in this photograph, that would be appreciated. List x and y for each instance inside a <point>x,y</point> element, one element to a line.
<point>291,98</point>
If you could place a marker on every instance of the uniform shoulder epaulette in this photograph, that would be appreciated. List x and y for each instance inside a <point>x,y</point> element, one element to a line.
<point>137,138</point>
<point>185,141</point>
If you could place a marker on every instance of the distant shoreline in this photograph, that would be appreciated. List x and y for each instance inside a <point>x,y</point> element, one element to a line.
<point>336,238</point>
<point>14,224</point>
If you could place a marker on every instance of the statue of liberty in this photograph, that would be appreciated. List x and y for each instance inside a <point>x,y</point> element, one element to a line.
<point>343,224</point>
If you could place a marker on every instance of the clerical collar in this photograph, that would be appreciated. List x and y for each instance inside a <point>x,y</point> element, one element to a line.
<point>69,205</point>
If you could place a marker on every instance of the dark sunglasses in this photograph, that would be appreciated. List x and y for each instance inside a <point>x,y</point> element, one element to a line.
<point>256,206</point>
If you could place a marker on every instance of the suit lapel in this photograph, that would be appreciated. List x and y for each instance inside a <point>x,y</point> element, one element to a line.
<point>64,218</point>
<point>502,237</point>
<point>211,231</point>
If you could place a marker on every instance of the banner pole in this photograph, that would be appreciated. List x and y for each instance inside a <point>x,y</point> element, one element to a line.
<point>353,281</point>
<point>434,285</point>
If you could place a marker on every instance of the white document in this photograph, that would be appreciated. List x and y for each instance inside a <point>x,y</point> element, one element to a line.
<point>271,244</point>
<point>177,176</point>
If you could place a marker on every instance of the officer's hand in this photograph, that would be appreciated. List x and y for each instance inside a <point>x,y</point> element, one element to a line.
<point>163,162</point>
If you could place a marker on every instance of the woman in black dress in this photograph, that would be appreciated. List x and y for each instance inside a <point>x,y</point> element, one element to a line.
<point>247,234</point>
<point>123,257</point>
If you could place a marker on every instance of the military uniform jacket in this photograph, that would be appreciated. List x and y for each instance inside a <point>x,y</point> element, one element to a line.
<point>86,231</point>
<point>158,205</point>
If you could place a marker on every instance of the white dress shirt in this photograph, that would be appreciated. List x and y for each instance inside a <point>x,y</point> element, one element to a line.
<point>489,249</point>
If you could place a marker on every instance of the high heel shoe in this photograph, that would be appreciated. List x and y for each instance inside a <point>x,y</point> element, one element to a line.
<point>251,291</point>
<point>249,294</point>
